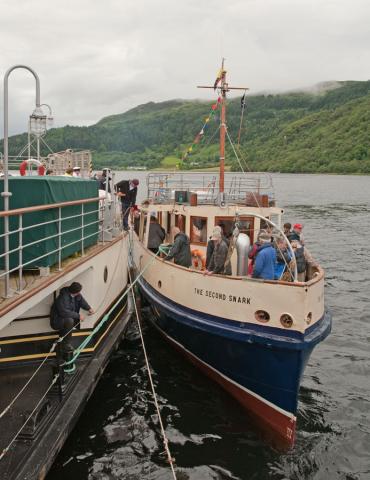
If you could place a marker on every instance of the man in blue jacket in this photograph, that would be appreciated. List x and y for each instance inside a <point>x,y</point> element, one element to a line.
<point>264,266</point>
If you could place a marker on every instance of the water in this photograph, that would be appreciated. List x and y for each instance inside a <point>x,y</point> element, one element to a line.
<point>118,436</point>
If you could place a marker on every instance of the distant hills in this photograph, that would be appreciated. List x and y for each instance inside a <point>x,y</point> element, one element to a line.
<point>325,129</point>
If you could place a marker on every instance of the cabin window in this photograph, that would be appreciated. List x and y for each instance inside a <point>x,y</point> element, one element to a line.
<point>246,225</point>
<point>265,225</point>
<point>198,230</point>
<point>180,221</point>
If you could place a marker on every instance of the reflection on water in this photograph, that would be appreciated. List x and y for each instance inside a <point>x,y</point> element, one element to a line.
<point>118,436</point>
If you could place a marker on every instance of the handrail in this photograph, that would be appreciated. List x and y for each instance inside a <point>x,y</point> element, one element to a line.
<point>103,223</point>
<point>49,206</point>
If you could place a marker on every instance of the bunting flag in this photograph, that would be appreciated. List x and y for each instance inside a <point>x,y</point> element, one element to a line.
<point>200,135</point>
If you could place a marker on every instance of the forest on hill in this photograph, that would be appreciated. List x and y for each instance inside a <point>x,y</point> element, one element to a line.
<point>291,132</point>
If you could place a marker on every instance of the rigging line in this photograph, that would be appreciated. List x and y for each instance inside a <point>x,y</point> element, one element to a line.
<point>5,450</point>
<point>210,115</point>
<point>213,136</point>
<point>47,145</point>
<point>241,117</point>
<point>24,149</point>
<point>165,440</point>
<point>6,409</point>
<point>60,339</point>
<point>85,342</point>
<point>232,145</point>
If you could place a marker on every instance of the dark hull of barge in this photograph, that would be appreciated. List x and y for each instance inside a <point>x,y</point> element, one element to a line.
<point>37,446</point>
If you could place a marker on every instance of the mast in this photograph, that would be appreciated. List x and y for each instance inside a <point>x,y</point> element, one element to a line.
<point>224,88</point>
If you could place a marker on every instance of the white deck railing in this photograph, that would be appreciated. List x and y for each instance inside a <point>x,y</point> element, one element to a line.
<point>103,218</point>
<point>161,187</point>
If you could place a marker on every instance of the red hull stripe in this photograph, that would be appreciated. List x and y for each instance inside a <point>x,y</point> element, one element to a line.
<point>276,422</point>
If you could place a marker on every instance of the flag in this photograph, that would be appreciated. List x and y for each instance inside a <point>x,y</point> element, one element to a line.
<point>219,76</point>
<point>242,101</point>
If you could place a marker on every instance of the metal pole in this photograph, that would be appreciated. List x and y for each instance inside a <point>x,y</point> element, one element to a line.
<point>224,89</point>
<point>6,194</point>
<point>29,138</point>
<point>38,148</point>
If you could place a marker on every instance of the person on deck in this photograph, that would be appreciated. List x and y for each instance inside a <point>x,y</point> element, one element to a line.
<point>297,234</point>
<point>287,229</point>
<point>180,250</point>
<point>127,191</point>
<point>102,179</point>
<point>253,253</point>
<point>264,266</point>
<point>68,172</point>
<point>211,244</point>
<point>219,256</point>
<point>156,234</point>
<point>65,313</point>
<point>283,258</point>
<point>76,172</point>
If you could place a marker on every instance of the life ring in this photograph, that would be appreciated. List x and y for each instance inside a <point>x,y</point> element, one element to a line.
<point>32,161</point>
<point>198,259</point>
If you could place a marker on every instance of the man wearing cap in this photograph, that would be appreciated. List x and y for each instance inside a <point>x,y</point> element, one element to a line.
<point>296,233</point>
<point>219,255</point>
<point>65,313</point>
<point>127,190</point>
<point>76,172</point>
<point>264,266</point>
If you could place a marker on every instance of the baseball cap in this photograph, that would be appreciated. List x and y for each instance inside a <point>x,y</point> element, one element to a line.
<point>298,226</point>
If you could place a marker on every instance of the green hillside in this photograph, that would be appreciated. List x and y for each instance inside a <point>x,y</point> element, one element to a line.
<point>292,132</point>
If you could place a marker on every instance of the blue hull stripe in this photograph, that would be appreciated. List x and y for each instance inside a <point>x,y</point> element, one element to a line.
<point>266,364</point>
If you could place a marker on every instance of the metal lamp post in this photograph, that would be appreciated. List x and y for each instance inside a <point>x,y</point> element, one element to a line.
<point>5,193</point>
<point>37,126</point>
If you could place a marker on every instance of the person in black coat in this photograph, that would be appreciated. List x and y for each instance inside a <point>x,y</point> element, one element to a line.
<point>65,312</point>
<point>127,191</point>
<point>156,234</point>
<point>180,250</point>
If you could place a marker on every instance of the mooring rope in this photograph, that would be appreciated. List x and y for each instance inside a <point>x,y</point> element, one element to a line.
<point>78,351</point>
<point>165,439</point>
<point>6,449</point>
<point>52,349</point>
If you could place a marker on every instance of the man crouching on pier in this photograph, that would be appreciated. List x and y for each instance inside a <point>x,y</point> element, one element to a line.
<point>65,314</point>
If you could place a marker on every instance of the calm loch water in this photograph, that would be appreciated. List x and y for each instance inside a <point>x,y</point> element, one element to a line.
<point>118,437</point>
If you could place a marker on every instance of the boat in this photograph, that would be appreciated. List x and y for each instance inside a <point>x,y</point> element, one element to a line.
<point>252,336</point>
<point>54,230</point>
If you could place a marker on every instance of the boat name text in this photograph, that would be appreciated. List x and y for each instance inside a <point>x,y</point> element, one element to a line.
<point>222,296</point>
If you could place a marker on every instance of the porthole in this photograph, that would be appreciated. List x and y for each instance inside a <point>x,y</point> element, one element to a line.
<point>105,275</point>
<point>262,316</point>
<point>159,284</point>
<point>309,318</point>
<point>286,320</point>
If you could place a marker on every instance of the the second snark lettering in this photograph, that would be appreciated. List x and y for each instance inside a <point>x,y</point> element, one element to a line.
<point>222,296</point>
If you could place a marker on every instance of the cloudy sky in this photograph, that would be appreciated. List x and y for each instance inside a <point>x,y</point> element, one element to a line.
<point>100,57</point>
